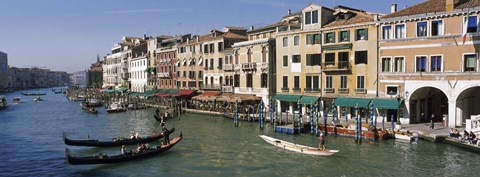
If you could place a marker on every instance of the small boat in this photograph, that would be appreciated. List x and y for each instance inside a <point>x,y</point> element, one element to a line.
<point>33,94</point>
<point>3,102</point>
<point>91,110</point>
<point>404,136</point>
<point>38,98</point>
<point>16,100</point>
<point>115,107</point>
<point>298,148</point>
<point>114,142</point>
<point>104,159</point>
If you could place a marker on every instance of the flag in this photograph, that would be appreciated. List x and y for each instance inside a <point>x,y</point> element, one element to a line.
<point>465,25</point>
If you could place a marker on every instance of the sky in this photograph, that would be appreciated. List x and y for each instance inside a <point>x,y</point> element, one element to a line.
<point>67,35</point>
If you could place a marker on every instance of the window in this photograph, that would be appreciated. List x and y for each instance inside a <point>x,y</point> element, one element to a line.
<point>308,84</point>
<point>386,64</point>
<point>296,82</point>
<point>308,18</point>
<point>361,57</point>
<point>314,17</point>
<point>437,28</point>
<point>285,42</point>
<point>296,59</point>
<point>285,61</point>
<point>343,82</point>
<point>220,46</point>
<point>314,60</point>
<point>398,64</point>
<point>472,26</point>
<point>386,32</point>
<point>220,61</point>
<point>206,63</point>
<point>285,81</point>
<point>329,83</point>
<point>360,82</point>
<point>362,34</point>
<point>342,60</point>
<point>329,37</point>
<point>469,62</point>
<point>344,36</point>
<point>400,31</point>
<point>392,90</point>
<point>200,74</point>
<point>435,63</point>
<point>296,40</point>
<point>421,62</point>
<point>316,39</point>
<point>316,83</point>
<point>264,78</point>
<point>249,80</point>
<point>309,39</point>
<point>330,59</point>
<point>421,29</point>
<point>211,64</point>
<point>205,48</point>
<point>212,48</point>
<point>236,83</point>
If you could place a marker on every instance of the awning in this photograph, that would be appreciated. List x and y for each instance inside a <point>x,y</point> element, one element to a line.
<point>242,97</point>
<point>200,61</point>
<point>287,97</point>
<point>309,99</point>
<point>386,103</point>
<point>186,92</point>
<point>206,96</point>
<point>224,97</point>
<point>337,47</point>
<point>151,69</point>
<point>172,91</point>
<point>184,61</point>
<point>161,95</point>
<point>178,63</point>
<point>352,102</point>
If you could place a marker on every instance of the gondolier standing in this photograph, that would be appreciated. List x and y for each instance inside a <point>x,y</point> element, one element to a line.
<point>321,144</point>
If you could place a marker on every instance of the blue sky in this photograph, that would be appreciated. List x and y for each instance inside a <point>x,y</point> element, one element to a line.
<point>67,35</point>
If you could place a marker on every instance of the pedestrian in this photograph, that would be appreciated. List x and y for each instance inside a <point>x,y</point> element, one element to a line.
<point>432,126</point>
<point>321,144</point>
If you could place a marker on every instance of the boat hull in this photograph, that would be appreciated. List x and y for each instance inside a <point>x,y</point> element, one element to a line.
<point>297,148</point>
<point>96,143</point>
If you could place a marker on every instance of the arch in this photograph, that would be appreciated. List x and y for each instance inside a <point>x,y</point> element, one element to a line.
<point>211,81</point>
<point>460,91</point>
<point>220,80</point>
<point>424,86</point>
<point>425,101</point>
<point>467,103</point>
<point>249,55</point>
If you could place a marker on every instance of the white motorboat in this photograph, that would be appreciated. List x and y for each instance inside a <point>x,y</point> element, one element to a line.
<point>298,148</point>
<point>116,107</point>
<point>38,98</point>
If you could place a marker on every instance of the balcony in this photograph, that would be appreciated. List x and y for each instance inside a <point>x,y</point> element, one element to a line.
<point>228,67</point>
<point>191,76</point>
<point>296,89</point>
<point>343,90</point>
<point>124,75</point>
<point>212,86</point>
<point>315,90</point>
<point>237,67</point>
<point>329,90</point>
<point>340,66</point>
<point>163,75</point>
<point>227,89</point>
<point>307,90</point>
<point>264,66</point>
<point>249,66</point>
<point>361,90</point>
<point>285,89</point>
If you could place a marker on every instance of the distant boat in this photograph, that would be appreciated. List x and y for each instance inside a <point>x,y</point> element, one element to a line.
<point>16,100</point>
<point>3,102</point>
<point>115,107</point>
<point>33,94</point>
<point>298,148</point>
<point>38,98</point>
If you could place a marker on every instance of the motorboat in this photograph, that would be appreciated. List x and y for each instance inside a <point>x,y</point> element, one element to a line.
<point>116,107</point>
<point>16,100</point>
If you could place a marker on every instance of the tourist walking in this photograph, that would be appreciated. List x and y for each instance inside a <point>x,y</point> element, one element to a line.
<point>432,125</point>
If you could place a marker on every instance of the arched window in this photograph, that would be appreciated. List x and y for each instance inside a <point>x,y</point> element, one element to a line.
<point>221,80</point>
<point>264,55</point>
<point>249,55</point>
<point>211,81</point>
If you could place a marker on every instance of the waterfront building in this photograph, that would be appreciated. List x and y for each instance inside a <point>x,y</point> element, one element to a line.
<point>138,64</point>
<point>250,67</point>
<point>167,60</point>
<point>189,63</point>
<point>3,71</point>
<point>94,74</point>
<point>115,65</point>
<point>213,52</point>
<point>152,49</point>
<point>19,78</point>
<point>429,58</point>
<point>79,78</point>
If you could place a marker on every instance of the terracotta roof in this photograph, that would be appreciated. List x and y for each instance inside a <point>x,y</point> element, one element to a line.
<point>278,24</point>
<point>358,17</point>
<point>431,6</point>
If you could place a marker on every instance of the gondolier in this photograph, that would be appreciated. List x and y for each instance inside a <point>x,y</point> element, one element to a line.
<point>321,144</point>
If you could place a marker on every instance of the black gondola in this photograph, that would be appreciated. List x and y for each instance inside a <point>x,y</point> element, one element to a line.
<point>96,143</point>
<point>159,118</point>
<point>103,159</point>
<point>33,94</point>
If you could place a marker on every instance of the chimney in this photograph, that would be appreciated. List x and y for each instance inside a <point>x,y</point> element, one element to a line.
<point>449,6</point>
<point>393,8</point>
<point>375,17</point>
<point>252,28</point>
<point>289,12</point>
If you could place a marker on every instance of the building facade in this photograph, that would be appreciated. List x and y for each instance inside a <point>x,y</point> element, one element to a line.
<point>426,61</point>
<point>3,71</point>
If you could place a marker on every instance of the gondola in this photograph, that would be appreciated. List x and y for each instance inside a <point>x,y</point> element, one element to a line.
<point>158,118</point>
<point>96,143</point>
<point>33,94</point>
<point>90,110</point>
<point>103,159</point>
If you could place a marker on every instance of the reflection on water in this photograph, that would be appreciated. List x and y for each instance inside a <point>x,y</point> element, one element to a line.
<point>31,145</point>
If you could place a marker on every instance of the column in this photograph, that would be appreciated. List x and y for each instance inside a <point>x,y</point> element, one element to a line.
<point>452,111</point>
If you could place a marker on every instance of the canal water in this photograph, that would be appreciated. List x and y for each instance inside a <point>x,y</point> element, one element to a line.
<point>31,144</point>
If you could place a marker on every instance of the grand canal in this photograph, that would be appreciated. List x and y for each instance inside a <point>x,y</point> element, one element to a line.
<point>31,144</point>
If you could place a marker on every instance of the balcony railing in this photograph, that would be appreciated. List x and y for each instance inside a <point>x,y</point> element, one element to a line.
<point>340,66</point>
<point>228,67</point>
<point>227,89</point>
<point>329,90</point>
<point>191,76</point>
<point>237,67</point>
<point>212,86</point>
<point>264,65</point>
<point>343,90</point>
<point>285,89</point>
<point>249,66</point>
<point>296,89</point>
<point>361,90</point>
<point>163,75</point>
<point>315,90</point>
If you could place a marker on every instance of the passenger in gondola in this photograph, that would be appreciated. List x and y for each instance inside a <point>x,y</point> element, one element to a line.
<point>124,150</point>
<point>157,111</point>
<point>166,114</point>
<point>166,133</point>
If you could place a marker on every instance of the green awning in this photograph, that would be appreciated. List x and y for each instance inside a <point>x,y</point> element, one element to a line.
<point>172,91</point>
<point>352,102</point>
<point>309,99</point>
<point>386,103</point>
<point>337,47</point>
<point>151,69</point>
<point>161,91</point>
<point>287,97</point>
